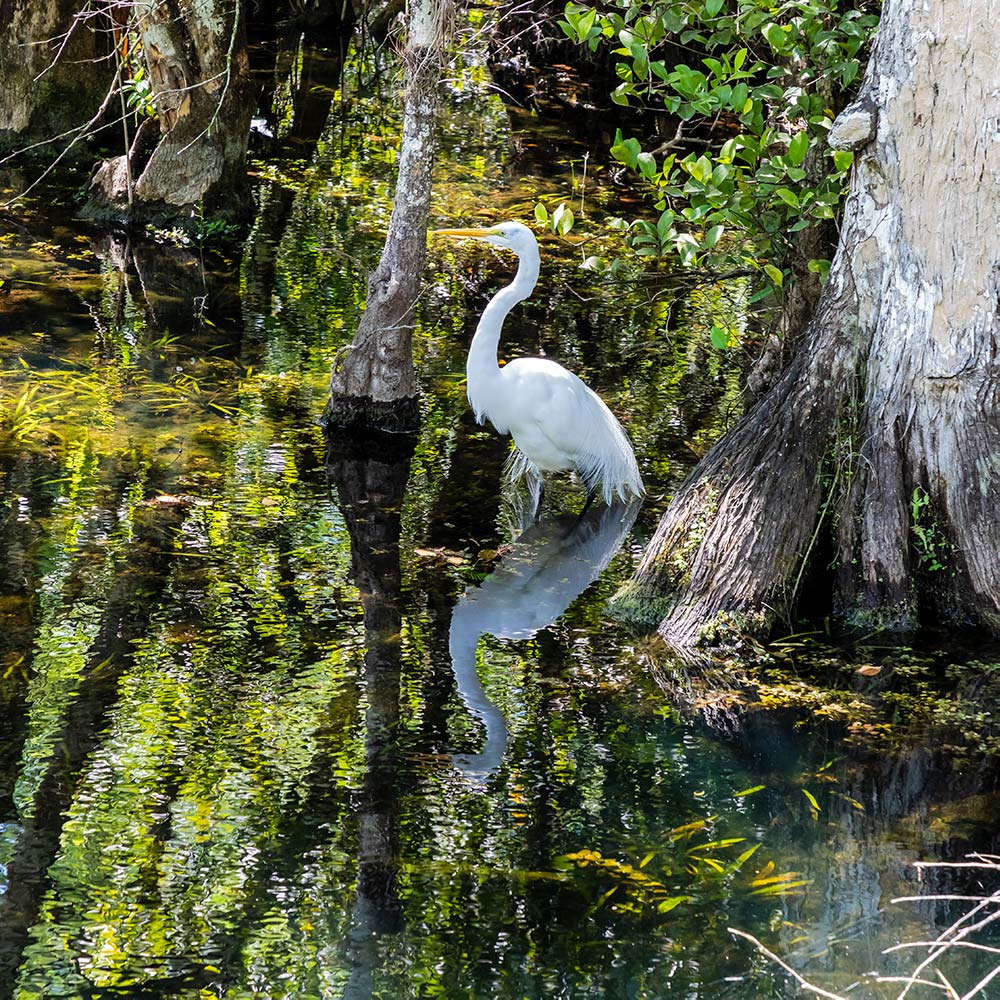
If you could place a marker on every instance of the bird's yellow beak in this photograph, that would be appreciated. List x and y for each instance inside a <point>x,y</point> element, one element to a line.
<point>479,233</point>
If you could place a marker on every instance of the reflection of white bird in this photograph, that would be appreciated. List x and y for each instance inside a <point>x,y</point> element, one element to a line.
<point>537,579</point>
<point>557,422</point>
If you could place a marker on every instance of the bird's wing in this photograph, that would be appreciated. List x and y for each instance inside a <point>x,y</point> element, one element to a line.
<point>554,411</point>
<point>543,397</point>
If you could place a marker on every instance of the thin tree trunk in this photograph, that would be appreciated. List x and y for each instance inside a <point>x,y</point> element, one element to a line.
<point>373,382</point>
<point>883,432</point>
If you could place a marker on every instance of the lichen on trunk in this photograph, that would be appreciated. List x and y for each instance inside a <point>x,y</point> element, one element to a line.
<point>903,352</point>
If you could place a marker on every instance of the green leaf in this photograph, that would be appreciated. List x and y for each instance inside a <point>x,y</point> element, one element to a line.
<point>664,225</point>
<point>738,100</point>
<point>798,148</point>
<point>624,152</point>
<point>712,7</point>
<point>640,57</point>
<point>843,159</point>
<point>820,266</point>
<point>541,214</point>
<point>585,23</point>
<point>647,165</point>
<point>780,888</point>
<point>745,856</point>
<point>713,235</point>
<point>719,335</point>
<point>700,169</point>
<point>749,791</point>
<point>727,151</point>
<point>774,274</point>
<point>711,845</point>
<point>562,219</point>
<point>666,905</point>
<point>776,36</point>
<point>788,197</point>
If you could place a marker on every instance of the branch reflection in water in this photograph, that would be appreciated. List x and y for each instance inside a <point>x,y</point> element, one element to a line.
<point>546,568</point>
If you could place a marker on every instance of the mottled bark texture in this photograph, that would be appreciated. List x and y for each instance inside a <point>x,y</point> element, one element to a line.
<point>884,432</point>
<point>50,81</point>
<point>373,382</point>
<point>195,151</point>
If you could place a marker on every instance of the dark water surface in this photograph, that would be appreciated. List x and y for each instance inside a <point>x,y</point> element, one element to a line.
<point>278,722</point>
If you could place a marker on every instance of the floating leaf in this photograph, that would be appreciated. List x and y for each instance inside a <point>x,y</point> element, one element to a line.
<point>812,801</point>
<point>666,905</point>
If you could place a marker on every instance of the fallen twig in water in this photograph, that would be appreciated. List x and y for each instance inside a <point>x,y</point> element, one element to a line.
<point>953,936</point>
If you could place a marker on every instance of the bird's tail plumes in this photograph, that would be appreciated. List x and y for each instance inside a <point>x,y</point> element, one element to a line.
<point>607,463</point>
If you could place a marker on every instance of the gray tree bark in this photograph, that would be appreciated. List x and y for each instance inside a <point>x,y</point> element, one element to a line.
<point>373,382</point>
<point>884,431</point>
<point>50,81</point>
<point>196,58</point>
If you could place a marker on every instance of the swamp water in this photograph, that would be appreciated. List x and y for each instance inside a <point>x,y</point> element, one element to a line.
<point>278,722</point>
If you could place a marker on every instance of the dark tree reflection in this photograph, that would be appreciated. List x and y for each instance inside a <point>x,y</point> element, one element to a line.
<point>370,473</point>
<point>126,617</point>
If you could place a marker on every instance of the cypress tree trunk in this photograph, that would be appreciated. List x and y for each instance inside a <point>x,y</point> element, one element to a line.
<point>194,152</point>
<point>884,431</point>
<point>373,383</point>
<point>50,79</point>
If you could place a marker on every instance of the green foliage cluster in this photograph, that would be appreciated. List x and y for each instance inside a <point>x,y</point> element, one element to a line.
<point>928,538</point>
<point>700,866</point>
<point>757,97</point>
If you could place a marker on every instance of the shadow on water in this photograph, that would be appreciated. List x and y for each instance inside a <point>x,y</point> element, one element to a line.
<point>539,576</point>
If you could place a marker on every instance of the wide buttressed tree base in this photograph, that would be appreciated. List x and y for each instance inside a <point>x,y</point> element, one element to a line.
<point>879,446</point>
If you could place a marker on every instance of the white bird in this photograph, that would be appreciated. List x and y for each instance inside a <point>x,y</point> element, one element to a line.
<point>556,420</point>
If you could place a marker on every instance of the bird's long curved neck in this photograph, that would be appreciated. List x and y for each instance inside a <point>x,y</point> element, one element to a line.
<point>482,359</point>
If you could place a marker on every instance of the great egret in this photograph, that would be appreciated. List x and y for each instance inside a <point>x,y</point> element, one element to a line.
<point>556,420</point>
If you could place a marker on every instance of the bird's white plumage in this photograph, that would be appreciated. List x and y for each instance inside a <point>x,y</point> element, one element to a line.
<point>556,420</point>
